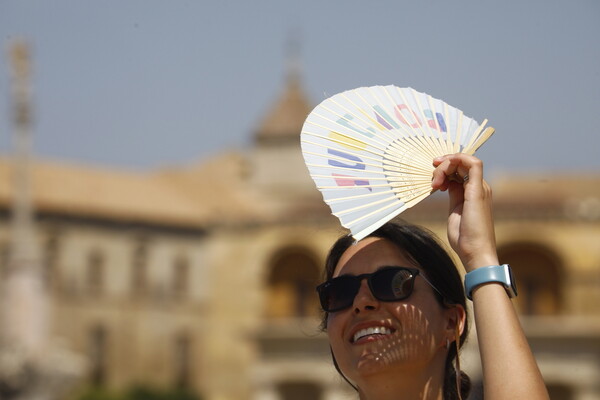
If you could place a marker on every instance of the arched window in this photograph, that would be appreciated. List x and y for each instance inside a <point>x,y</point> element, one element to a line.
<point>537,272</point>
<point>95,272</point>
<point>294,274</point>
<point>98,354</point>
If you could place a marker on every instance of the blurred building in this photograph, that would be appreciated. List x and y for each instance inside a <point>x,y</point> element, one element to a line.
<point>202,276</point>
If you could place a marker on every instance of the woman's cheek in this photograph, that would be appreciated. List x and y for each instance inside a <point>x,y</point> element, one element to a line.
<point>335,331</point>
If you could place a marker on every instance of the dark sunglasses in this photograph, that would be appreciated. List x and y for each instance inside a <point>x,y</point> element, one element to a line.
<point>386,284</point>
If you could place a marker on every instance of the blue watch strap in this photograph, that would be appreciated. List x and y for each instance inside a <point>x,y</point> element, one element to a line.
<point>493,273</point>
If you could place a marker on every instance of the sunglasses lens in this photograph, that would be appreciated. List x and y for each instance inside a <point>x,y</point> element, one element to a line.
<point>392,284</point>
<point>338,293</point>
<point>388,284</point>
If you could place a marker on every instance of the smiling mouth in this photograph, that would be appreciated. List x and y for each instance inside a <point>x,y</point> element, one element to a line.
<point>374,333</point>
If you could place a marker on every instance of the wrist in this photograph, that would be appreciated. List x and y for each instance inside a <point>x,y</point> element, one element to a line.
<point>498,274</point>
<point>480,261</point>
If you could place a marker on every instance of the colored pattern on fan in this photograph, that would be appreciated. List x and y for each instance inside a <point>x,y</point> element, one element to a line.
<point>370,150</point>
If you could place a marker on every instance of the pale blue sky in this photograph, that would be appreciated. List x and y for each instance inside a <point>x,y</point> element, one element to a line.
<point>147,83</point>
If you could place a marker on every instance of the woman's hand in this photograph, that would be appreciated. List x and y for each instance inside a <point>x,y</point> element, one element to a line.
<point>470,222</point>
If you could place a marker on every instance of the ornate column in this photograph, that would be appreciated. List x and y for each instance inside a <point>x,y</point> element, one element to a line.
<point>23,313</point>
<point>29,368</point>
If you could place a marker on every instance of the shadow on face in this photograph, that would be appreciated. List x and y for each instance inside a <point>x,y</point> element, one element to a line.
<point>411,345</point>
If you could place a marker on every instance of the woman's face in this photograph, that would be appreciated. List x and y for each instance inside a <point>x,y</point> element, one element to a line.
<point>373,336</point>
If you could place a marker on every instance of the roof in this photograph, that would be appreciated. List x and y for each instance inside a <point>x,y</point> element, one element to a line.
<point>284,120</point>
<point>218,185</point>
<point>82,190</point>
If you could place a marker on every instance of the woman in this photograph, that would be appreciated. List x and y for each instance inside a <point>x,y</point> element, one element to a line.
<point>396,310</point>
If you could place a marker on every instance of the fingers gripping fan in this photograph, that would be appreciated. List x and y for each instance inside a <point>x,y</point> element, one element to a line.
<point>370,150</point>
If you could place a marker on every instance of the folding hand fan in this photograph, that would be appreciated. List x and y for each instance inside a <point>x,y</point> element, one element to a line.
<point>370,150</point>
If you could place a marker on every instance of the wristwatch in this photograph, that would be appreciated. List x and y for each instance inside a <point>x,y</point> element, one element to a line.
<point>494,273</point>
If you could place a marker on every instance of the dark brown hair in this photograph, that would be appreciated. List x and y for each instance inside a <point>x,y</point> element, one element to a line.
<point>424,249</point>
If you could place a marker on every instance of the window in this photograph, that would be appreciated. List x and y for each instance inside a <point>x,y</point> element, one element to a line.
<point>537,273</point>
<point>139,268</point>
<point>51,254</point>
<point>95,273</point>
<point>291,285</point>
<point>181,276</point>
<point>98,355</point>
<point>182,357</point>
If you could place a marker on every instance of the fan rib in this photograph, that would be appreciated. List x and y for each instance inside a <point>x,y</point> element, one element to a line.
<point>370,178</point>
<point>443,141</point>
<point>468,147</point>
<point>489,131</point>
<point>430,144</point>
<point>449,144</point>
<point>345,144</point>
<point>333,167</point>
<point>424,127</point>
<point>360,234</point>
<point>353,187</point>
<point>458,138</point>
<point>362,217</point>
<point>412,190</point>
<point>367,195</point>
<point>368,205</point>
<point>432,134</point>
<point>359,196</point>
<point>419,194</point>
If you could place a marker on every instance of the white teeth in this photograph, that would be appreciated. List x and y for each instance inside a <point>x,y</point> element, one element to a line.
<point>376,330</point>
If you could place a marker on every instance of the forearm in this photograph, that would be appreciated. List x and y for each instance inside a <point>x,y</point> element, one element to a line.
<point>509,368</point>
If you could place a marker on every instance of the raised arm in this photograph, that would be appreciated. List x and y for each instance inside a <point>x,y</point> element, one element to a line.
<point>509,368</point>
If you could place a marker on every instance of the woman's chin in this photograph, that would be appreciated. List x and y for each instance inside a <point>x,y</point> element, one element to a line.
<point>391,353</point>
<point>378,356</point>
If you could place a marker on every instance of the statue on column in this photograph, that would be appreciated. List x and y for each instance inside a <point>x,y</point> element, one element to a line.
<point>28,370</point>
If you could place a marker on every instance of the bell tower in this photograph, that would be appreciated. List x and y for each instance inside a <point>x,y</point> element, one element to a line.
<point>278,166</point>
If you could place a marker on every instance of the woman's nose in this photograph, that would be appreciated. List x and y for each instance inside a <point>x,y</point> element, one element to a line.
<point>364,299</point>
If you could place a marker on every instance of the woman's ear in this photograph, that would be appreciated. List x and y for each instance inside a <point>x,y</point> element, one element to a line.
<point>456,316</point>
